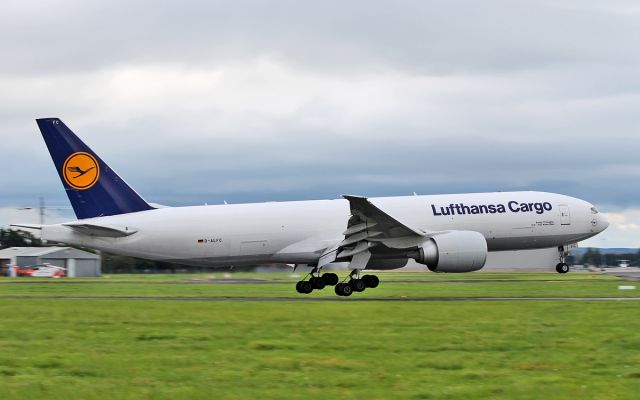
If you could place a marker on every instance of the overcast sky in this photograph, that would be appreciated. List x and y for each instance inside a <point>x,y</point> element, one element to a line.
<point>243,101</point>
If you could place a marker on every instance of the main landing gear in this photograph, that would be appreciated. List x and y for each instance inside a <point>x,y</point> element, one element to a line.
<point>316,282</point>
<point>353,283</point>
<point>562,267</point>
<point>356,283</point>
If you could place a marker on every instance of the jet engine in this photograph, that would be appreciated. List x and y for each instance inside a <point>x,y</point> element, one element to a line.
<point>455,251</point>
<point>383,264</point>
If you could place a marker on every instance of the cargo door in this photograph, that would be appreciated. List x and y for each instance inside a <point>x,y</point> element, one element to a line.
<point>253,247</point>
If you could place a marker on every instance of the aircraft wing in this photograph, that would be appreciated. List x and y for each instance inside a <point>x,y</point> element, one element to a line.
<point>363,211</point>
<point>100,230</point>
<point>369,227</point>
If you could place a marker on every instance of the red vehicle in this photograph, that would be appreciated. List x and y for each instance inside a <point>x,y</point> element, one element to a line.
<point>42,271</point>
<point>25,271</point>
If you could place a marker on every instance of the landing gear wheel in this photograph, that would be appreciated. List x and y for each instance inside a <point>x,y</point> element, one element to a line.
<point>371,281</point>
<point>343,289</point>
<point>317,282</point>
<point>330,279</point>
<point>304,287</point>
<point>562,267</point>
<point>357,285</point>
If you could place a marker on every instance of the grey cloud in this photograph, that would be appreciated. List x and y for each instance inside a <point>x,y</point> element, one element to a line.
<point>423,36</point>
<point>374,98</point>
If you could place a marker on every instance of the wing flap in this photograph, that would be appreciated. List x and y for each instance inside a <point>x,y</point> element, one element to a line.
<point>358,228</point>
<point>361,238</point>
<point>361,247</point>
<point>369,213</point>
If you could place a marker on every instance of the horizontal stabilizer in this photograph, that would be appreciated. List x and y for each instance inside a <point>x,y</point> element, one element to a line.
<point>26,226</point>
<point>101,230</point>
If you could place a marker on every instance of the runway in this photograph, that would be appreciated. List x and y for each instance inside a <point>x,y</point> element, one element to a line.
<point>630,274</point>
<point>286,282</point>
<point>105,282</point>
<point>319,299</point>
<point>219,289</point>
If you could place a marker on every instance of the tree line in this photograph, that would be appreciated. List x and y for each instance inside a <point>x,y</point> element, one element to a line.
<point>593,256</point>
<point>11,238</point>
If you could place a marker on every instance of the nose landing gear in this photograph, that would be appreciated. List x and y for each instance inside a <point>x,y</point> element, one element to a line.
<point>562,267</point>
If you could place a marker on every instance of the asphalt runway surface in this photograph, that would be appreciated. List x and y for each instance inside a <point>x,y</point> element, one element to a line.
<point>303,298</point>
<point>633,276</point>
<point>25,281</point>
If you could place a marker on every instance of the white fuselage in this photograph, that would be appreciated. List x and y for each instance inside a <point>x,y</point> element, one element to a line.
<point>298,232</point>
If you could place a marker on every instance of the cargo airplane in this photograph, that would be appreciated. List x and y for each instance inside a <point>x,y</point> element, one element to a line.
<point>447,233</point>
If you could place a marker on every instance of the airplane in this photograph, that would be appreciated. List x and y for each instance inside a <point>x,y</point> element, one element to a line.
<point>446,232</point>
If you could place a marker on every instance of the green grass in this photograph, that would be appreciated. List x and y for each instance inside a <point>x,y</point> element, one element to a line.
<point>150,349</point>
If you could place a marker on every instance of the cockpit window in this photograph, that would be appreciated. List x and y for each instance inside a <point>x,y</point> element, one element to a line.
<point>594,210</point>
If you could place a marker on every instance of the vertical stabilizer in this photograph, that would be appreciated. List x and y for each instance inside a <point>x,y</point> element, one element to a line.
<point>93,188</point>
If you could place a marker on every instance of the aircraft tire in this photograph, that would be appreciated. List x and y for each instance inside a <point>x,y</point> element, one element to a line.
<point>562,268</point>
<point>371,281</point>
<point>299,287</point>
<point>343,289</point>
<point>330,278</point>
<point>306,287</point>
<point>346,290</point>
<point>357,285</point>
<point>317,282</point>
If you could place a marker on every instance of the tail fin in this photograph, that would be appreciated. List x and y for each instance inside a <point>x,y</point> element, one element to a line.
<point>93,188</point>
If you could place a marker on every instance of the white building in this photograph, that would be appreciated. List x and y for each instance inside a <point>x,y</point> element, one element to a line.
<point>78,263</point>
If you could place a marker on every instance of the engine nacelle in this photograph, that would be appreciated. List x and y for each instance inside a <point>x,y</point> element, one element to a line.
<point>386,264</point>
<point>455,251</point>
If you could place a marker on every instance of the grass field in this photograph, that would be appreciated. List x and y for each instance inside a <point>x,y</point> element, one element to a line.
<point>66,339</point>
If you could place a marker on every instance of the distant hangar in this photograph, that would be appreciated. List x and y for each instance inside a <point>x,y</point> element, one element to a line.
<point>78,263</point>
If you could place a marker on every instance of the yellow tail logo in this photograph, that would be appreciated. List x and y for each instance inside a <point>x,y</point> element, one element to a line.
<point>81,170</point>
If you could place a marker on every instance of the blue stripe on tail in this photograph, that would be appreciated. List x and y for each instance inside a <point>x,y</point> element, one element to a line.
<point>93,188</point>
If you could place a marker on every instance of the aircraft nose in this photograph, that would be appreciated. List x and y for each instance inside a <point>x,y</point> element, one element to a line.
<point>603,222</point>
